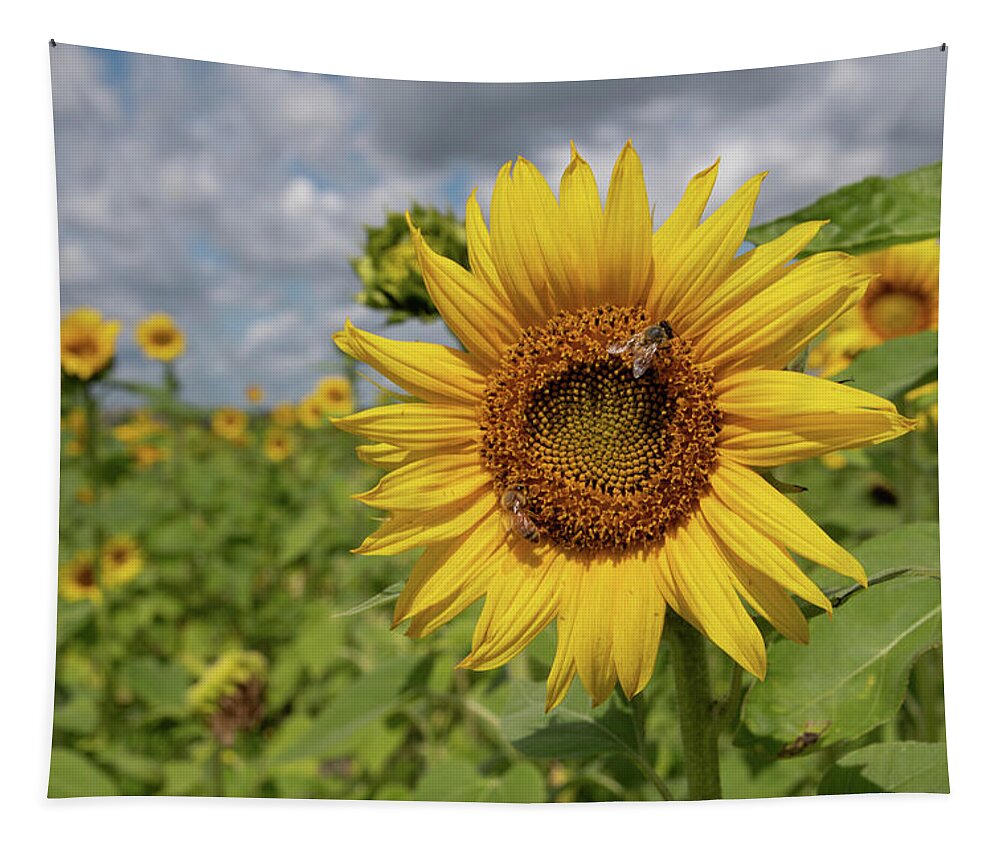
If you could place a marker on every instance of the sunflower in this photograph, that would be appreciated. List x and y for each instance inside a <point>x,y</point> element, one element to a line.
<point>278,444</point>
<point>78,578</point>
<point>121,561</point>
<point>254,393</point>
<point>312,411</point>
<point>140,427</point>
<point>229,423</point>
<point>159,337</point>
<point>284,415</point>
<point>336,395</point>
<point>588,459</point>
<point>901,300</point>
<point>87,342</point>
<point>148,454</point>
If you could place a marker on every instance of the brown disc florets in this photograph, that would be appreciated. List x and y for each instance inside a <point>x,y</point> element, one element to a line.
<point>608,460</point>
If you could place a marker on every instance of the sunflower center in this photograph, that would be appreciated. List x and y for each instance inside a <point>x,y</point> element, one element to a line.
<point>599,458</point>
<point>893,312</point>
<point>162,337</point>
<point>85,577</point>
<point>82,347</point>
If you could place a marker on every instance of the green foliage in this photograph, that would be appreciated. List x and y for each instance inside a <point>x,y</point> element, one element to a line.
<point>72,775</point>
<point>869,215</point>
<point>388,269</point>
<point>889,767</point>
<point>894,367</point>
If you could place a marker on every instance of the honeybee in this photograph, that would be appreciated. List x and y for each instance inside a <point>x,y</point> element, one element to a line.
<point>643,346</point>
<point>514,503</point>
<point>806,739</point>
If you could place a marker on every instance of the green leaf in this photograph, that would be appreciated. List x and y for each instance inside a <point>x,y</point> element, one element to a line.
<point>72,775</point>
<point>896,366</point>
<point>163,685</point>
<point>386,595</point>
<point>366,700</point>
<point>852,676</point>
<point>911,549</point>
<point>302,533</point>
<point>869,215</point>
<point>573,730</point>
<point>72,618</point>
<point>455,779</point>
<point>79,715</point>
<point>889,767</point>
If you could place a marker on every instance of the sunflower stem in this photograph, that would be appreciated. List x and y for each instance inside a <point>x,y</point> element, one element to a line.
<point>699,735</point>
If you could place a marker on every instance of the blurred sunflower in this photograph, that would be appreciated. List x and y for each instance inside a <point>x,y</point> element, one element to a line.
<point>278,444</point>
<point>87,342</point>
<point>148,454</point>
<point>121,561</point>
<point>230,424</point>
<point>255,393</point>
<point>140,427</point>
<point>902,300</point>
<point>336,395</point>
<point>76,421</point>
<point>284,415</point>
<point>540,472</point>
<point>78,578</point>
<point>312,411</point>
<point>159,337</point>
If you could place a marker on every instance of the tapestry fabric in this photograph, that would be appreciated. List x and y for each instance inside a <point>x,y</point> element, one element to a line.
<point>496,442</point>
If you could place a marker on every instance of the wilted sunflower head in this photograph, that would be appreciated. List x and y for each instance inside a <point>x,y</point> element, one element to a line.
<point>78,578</point>
<point>87,342</point>
<point>278,444</point>
<point>230,693</point>
<point>229,423</point>
<point>902,299</point>
<point>588,458</point>
<point>336,395</point>
<point>121,561</point>
<point>159,337</point>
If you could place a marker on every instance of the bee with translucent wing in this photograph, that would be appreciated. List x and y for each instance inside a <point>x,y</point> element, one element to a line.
<point>642,347</point>
<point>514,503</point>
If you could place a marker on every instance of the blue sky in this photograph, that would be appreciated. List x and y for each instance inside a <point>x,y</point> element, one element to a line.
<point>232,197</point>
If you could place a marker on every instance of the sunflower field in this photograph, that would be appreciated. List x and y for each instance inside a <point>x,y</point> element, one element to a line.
<point>219,636</point>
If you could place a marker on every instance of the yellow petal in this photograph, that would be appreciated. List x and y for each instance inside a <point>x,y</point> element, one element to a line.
<point>429,483</point>
<point>429,371</point>
<point>416,426</point>
<point>637,623</point>
<point>759,550</point>
<point>693,270</point>
<point>592,632</point>
<point>684,219</point>
<point>777,517</point>
<point>581,216</point>
<point>520,267</point>
<point>703,581</point>
<point>446,568</point>
<point>775,417</point>
<point>625,251</point>
<point>564,665</point>
<point>520,603</point>
<point>762,267</point>
<point>382,454</point>
<point>408,529</point>
<point>467,304</point>
<point>769,600</point>
<point>770,328</point>
<point>483,267</point>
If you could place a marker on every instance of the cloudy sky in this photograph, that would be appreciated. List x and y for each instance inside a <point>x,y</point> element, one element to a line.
<point>232,197</point>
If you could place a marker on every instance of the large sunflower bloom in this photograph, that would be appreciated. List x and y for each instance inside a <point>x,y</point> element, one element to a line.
<point>87,342</point>
<point>539,472</point>
<point>901,300</point>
